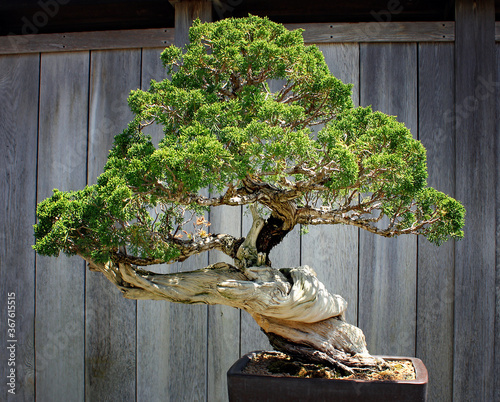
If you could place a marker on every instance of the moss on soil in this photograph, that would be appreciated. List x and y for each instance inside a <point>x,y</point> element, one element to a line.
<point>282,365</point>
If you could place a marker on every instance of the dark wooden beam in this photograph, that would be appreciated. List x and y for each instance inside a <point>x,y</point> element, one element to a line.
<point>433,31</point>
<point>162,37</point>
<point>475,85</point>
<point>76,41</point>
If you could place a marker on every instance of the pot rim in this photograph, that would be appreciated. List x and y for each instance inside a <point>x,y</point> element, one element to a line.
<point>421,374</point>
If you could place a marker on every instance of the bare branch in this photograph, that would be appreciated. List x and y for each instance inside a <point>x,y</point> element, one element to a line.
<point>223,242</point>
<point>317,216</point>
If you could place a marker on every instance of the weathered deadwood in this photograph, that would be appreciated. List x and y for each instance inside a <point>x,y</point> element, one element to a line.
<point>291,305</point>
<point>332,341</point>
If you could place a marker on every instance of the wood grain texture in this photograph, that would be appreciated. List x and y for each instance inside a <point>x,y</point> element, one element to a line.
<point>333,251</point>
<point>187,341</point>
<point>286,254</point>
<point>203,360</point>
<point>153,317</point>
<point>185,13</point>
<point>62,164</point>
<point>387,291</point>
<point>110,319</point>
<point>223,340</point>
<point>436,265</point>
<point>476,81</point>
<point>497,186</point>
<point>432,31</point>
<point>187,347</point>
<point>387,278</point>
<point>19,88</point>
<point>76,41</point>
<point>171,339</point>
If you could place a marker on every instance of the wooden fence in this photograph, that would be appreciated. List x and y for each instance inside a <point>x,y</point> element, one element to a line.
<point>77,339</point>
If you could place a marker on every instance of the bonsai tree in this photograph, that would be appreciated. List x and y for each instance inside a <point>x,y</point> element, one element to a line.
<point>301,155</point>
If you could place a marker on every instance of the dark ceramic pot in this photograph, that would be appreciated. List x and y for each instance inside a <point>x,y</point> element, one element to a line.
<point>243,387</point>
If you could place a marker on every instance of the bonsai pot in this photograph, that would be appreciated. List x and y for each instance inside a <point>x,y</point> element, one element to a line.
<point>252,387</point>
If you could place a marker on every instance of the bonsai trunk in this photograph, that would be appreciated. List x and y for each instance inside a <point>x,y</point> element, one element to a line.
<point>292,307</point>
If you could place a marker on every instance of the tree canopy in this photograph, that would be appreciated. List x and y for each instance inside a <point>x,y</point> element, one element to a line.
<point>303,151</point>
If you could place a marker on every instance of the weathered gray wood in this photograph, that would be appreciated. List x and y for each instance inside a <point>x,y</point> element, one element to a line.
<point>223,340</point>
<point>75,41</point>
<point>473,336</point>
<point>497,186</point>
<point>286,254</point>
<point>387,280</point>
<point>436,264</point>
<point>171,339</point>
<point>110,319</point>
<point>476,82</point>
<point>19,87</point>
<point>188,344</point>
<point>333,251</point>
<point>186,11</point>
<point>60,283</point>
<point>218,331</point>
<point>153,317</point>
<point>432,31</point>
<point>343,62</point>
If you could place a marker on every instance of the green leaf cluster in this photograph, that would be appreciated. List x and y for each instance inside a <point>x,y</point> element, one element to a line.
<point>221,124</point>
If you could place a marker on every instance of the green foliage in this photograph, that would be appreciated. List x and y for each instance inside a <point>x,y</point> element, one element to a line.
<point>223,125</point>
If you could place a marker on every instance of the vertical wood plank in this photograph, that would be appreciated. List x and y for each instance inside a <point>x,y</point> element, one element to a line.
<point>332,251</point>
<point>476,81</point>
<point>497,186</point>
<point>186,11</point>
<point>19,88</point>
<point>387,285</point>
<point>60,290</point>
<point>153,317</point>
<point>219,328</point>
<point>343,62</point>
<point>223,321</point>
<point>171,338</point>
<point>110,319</point>
<point>187,345</point>
<point>436,95</point>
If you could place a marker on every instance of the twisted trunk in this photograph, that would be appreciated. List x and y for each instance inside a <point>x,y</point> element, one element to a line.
<point>291,305</point>
<point>293,308</point>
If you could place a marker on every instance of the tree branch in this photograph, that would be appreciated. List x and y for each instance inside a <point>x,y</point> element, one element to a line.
<point>316,216</point>
<point>223,242</point>
<point>290,303</point>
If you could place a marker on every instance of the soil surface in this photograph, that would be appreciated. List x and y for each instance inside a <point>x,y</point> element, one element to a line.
<point>281,365</point>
